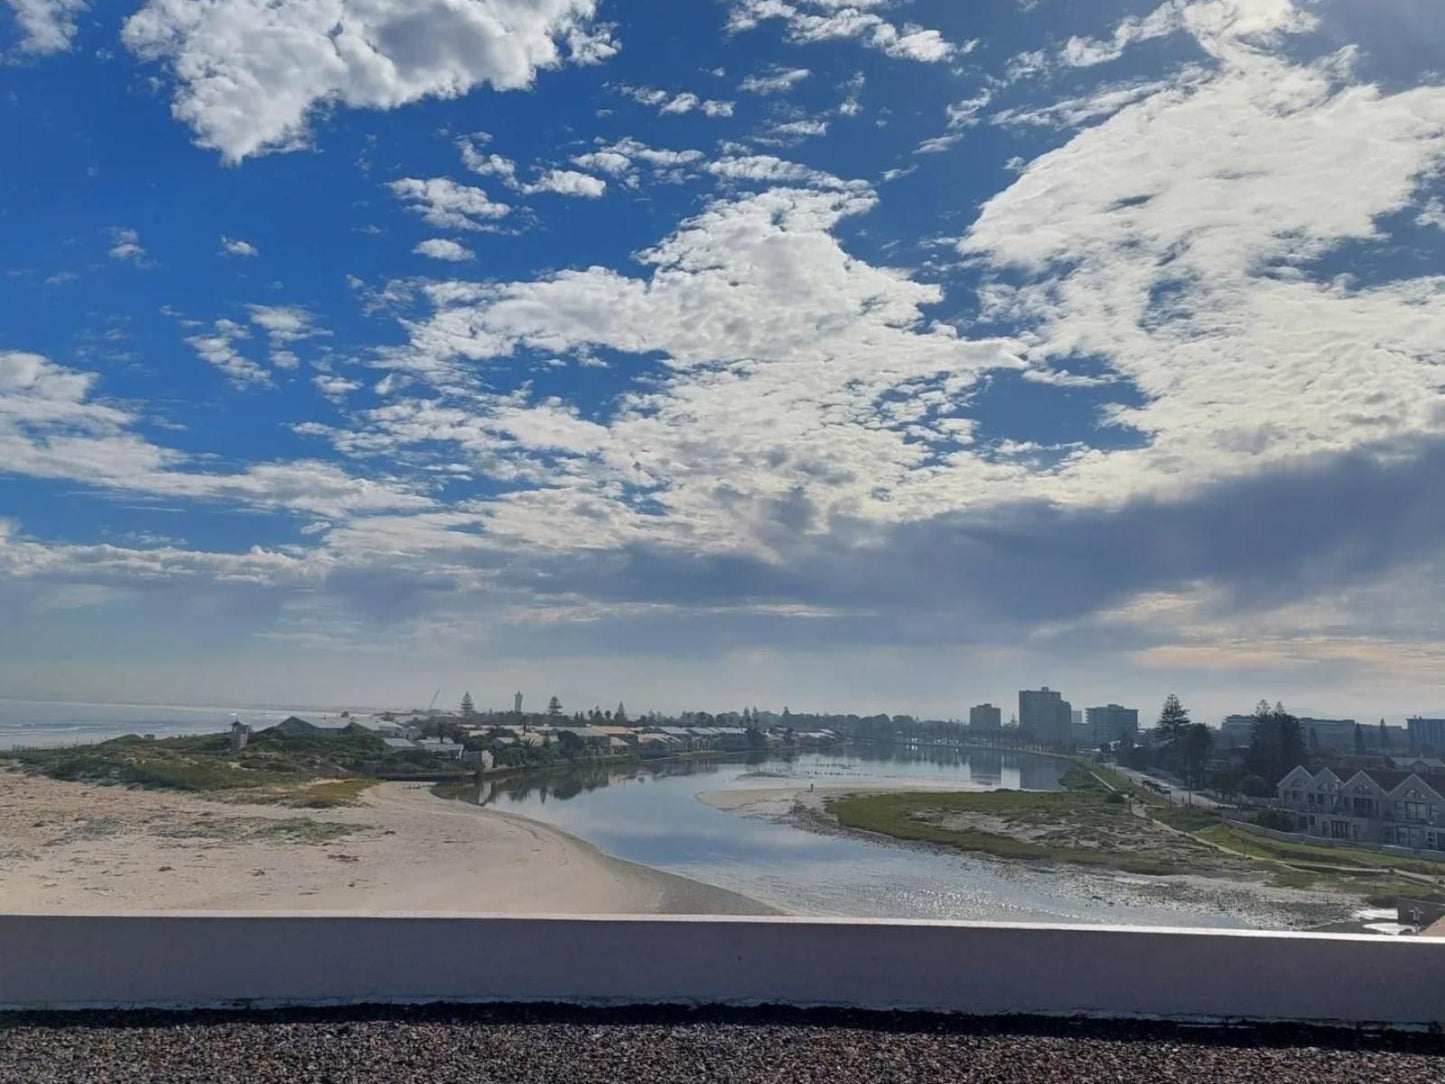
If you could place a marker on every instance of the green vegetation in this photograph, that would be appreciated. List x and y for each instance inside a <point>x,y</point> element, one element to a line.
<point>1084,827</point>
<point>1185,818</point>
<point>332,793</point>
<point>1263,847</point>
<point>271,762</point>
<point>1080,778</point>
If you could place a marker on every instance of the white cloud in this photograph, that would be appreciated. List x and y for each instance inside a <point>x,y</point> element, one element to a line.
<point>218,348</point>
<point>852,105</point>
<point>125,245</point>
<point>938,144</point>
<point>1176,240</point>
<point>676,104</point>
<point>563,182</point>
<point>46,26</point>
<point>770,170</point>
<point>623,159</point>
<point>486,165</point>
<point>1218,25</point>
<point>250,74</point>
<point>334,387</point>
<point>825,20</point>
<point>568,182</point>
<point>448,205</point>
<point>52,427</point>
<point>793,131</point>
<point>439,248</point>
<point>776,81</point>
<point>784,355</point>
<point>232,247</point>
<point>285,323</point>
<point>1100,103</point>
<point>1433,214</point>
<point>964,114</point>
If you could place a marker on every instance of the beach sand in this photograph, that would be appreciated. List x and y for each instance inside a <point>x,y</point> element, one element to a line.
<point>78,847</point>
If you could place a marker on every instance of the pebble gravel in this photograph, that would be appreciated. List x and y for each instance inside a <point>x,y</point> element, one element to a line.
<point>561,1045</point>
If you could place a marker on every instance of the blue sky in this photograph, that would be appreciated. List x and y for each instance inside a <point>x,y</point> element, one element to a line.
<point>853,354</point>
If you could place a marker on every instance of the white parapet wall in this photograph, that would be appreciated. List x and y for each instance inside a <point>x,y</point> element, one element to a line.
<point>186,960</point>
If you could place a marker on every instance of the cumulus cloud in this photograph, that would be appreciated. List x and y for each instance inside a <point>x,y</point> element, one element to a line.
<point>774,339</point>
<point>439,248</point>
<point>230,246</point>
<point>568,182</point>
<point>251,74</point>
<point>46,26</point>
<point>447,205</point>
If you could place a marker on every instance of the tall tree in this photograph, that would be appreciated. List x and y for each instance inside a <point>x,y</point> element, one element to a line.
<point>468,708</point>
<point>620,715</point>
<point>1276,744</point>
<point>1359,738</point>
<point>1195,741</point>
<point>554,708</point>
<point>1384,737</point>
<point>1173,717</point>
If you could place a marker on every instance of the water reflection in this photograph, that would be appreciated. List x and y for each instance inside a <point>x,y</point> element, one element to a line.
<point>651,814</point>
<point>967,768</point>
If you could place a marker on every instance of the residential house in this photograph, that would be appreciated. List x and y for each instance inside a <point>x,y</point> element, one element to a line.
<point>293,726</point>
<point>1403,809</point>
<point>441,747</point>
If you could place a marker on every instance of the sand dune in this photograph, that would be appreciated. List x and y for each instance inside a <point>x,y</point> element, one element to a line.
<point>76,847</point>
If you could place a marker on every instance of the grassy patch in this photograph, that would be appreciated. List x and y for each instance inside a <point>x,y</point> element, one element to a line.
<point>1124,785</point>
<point>1082,827</point>
<point>1185,818</point>
<point>1080,778</point>
<point>1264,847</point>
<point>1295,878</point>
<point>205,763</point>
<point>331,793</point>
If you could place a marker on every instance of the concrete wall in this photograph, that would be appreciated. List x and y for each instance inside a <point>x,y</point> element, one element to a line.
<point>190,959</point>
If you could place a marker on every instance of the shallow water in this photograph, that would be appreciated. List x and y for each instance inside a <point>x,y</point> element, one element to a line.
<point>652,815</point>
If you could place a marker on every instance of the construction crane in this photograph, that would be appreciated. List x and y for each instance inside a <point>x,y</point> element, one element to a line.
<point>433,701</point>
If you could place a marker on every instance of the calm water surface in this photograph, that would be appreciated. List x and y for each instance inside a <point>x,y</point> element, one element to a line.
<point>652,815</point>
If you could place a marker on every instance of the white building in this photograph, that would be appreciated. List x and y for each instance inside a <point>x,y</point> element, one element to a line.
<point>1403,809</point>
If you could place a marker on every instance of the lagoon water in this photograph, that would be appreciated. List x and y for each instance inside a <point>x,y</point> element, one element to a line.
<point>652,815</point>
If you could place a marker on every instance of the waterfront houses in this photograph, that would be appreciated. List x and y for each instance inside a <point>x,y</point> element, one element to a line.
<point>1398,808</point>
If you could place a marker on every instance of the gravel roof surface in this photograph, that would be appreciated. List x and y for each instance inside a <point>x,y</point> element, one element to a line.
<point>559,1045</point>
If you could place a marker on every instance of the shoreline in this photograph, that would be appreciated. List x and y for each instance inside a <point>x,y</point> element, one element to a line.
<point>1239,894</point>
<point>88,848</point>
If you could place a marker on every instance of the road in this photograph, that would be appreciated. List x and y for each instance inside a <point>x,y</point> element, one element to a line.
<point>1177,795</point>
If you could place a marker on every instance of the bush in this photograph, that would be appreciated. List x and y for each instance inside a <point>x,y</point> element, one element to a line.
<point>1276,819</point>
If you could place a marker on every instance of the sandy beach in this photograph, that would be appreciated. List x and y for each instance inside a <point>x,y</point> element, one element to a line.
<point>77,847</point>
